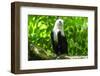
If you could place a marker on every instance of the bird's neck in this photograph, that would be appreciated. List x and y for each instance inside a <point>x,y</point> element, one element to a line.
<point>57,29</point>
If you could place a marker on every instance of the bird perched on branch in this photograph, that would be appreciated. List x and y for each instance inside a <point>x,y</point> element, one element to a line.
<point>58,38</point>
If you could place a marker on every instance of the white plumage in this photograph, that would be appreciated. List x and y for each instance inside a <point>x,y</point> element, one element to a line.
<point>58,27</point>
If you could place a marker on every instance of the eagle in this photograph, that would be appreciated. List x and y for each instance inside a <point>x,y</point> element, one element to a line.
<point>58,38</point>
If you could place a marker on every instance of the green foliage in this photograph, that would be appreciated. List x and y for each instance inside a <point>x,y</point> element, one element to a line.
<point>75,28</point>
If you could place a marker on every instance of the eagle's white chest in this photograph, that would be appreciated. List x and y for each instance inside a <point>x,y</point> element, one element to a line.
<point>56,34</point>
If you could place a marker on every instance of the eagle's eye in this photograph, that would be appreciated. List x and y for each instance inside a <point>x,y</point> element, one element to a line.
<point>60,22</point>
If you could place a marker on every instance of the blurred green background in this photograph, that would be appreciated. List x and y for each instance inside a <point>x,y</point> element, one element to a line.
<point>39,40</point>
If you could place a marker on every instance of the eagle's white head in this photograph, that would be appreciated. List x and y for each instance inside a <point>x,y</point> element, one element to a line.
<point>59,24</point>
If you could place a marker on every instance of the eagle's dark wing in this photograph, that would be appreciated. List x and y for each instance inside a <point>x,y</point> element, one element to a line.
<point>62,43</point>
<point>52,40</point>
